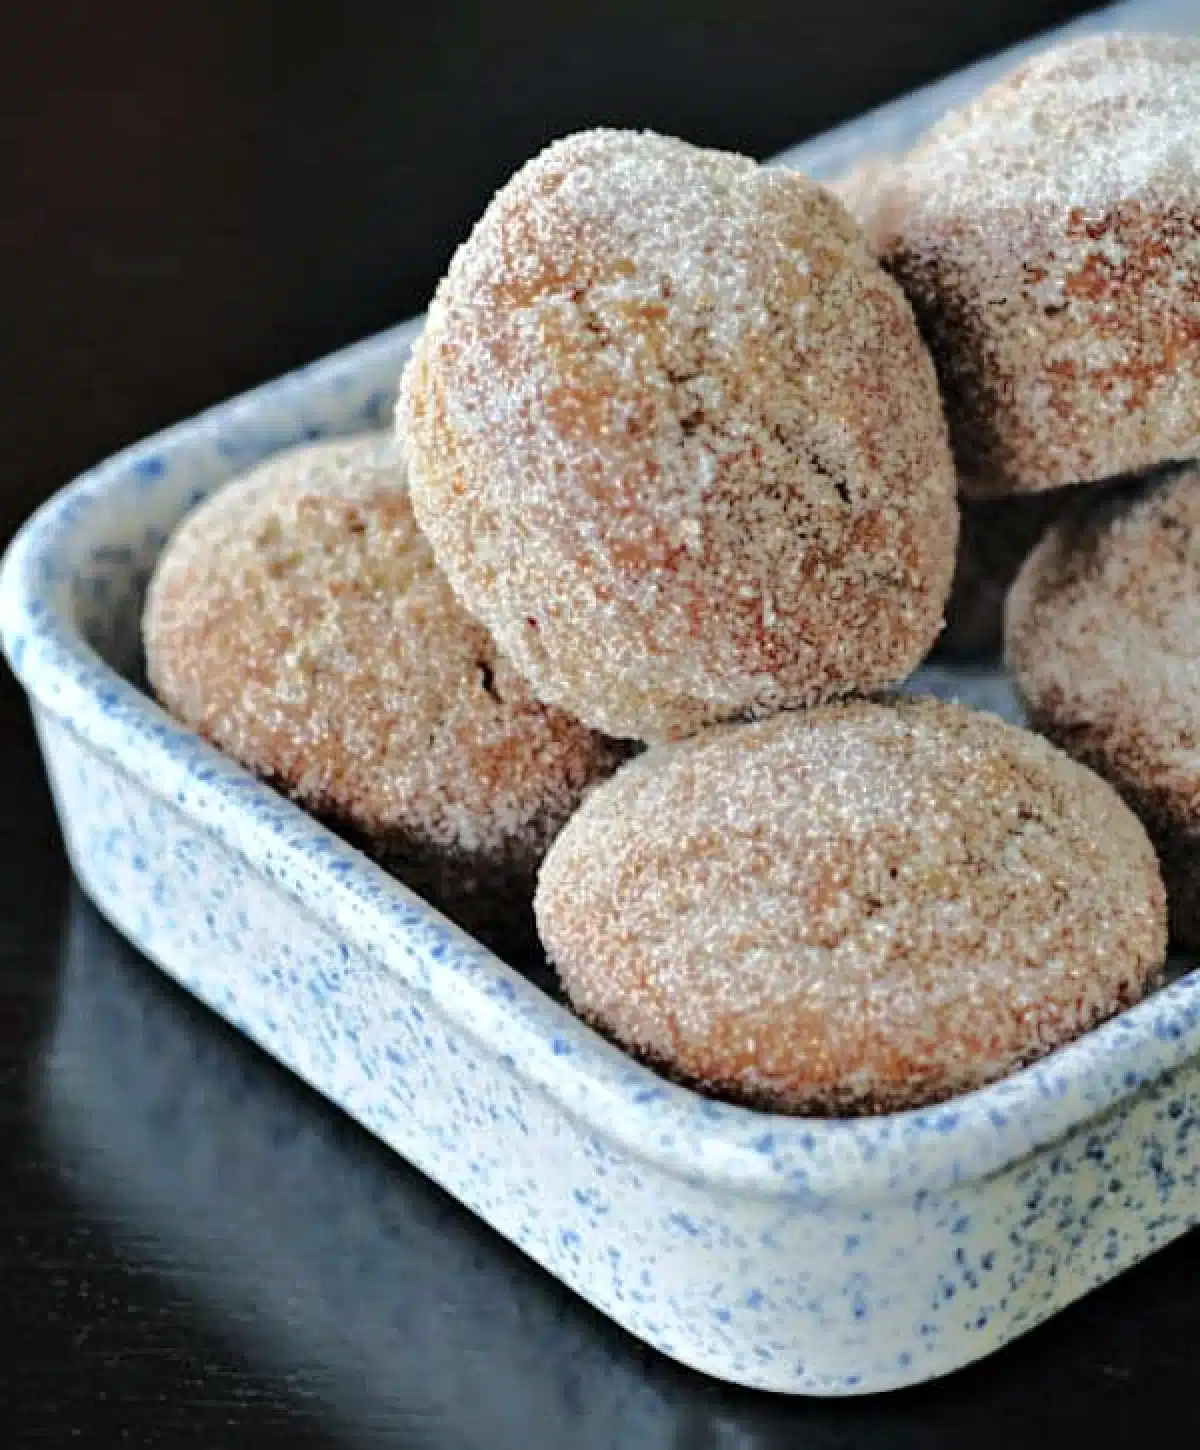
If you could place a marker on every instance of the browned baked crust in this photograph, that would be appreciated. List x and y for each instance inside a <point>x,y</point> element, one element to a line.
<point>298,620</point>
<point>1103,638</point>
<point>676,440</point>
<point>853,909</point>
<point>1048,237</point>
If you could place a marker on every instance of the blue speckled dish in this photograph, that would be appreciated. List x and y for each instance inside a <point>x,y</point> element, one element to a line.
<point>813,1257</point>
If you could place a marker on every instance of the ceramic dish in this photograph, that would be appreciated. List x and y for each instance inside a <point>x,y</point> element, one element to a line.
<point>820,1257</point>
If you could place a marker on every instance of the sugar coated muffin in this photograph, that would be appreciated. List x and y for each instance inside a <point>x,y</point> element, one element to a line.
<point>298,621</point>
<point>676,441</point>
<point>1048,236</point>
<point>1103,639</point>
<point>854,909</point>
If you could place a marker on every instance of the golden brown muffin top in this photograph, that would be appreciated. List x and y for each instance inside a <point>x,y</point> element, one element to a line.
<point>852,909</point>
<point>298,620</point>
<point>676,440</point>
<point>1103,638</point>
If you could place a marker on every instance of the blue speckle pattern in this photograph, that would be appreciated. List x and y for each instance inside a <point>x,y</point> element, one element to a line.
<point>829,1258</point>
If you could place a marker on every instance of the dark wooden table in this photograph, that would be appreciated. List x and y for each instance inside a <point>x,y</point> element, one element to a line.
<point>194,1249</point>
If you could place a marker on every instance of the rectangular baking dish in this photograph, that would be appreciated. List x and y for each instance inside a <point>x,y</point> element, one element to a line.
<point>816,1257</point>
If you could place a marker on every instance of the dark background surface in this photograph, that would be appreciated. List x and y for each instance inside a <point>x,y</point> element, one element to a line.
<point>194,1250</point>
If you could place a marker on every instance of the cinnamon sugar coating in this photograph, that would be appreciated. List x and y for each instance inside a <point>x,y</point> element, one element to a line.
<point>298,621</point>
<point>676,441</point>
<point>1103,638</point>
<point>854,909</point>
<point>1048,236</point>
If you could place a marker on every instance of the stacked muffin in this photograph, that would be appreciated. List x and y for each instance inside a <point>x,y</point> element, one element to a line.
<point>1049,238</point>
<point>683,443</point>
<point>1046,235</point>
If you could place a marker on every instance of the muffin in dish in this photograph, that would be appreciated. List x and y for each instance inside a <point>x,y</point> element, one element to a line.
<point>855,909</point>
<point>676,440</point>
<point>298,621</point>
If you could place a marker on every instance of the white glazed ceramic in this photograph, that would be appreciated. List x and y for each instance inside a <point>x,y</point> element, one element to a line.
<point>803,1256</point>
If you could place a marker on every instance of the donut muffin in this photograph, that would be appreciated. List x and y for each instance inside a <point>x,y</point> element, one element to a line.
<point>853,909</point>
<point>1103,639</point>
<point>1048,236</point>
<point>298,621</point>
<point>676,441</point>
